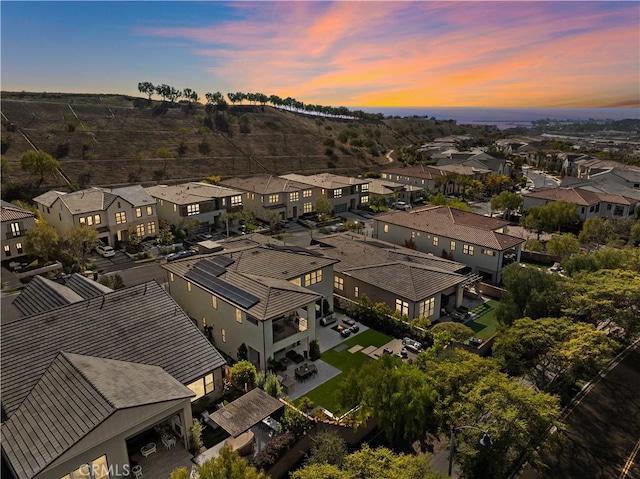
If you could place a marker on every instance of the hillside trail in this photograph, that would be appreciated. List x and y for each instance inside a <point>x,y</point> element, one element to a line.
<point>388,155</point>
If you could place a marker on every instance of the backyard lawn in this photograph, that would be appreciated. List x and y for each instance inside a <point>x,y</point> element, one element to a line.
<point>484,323</point>
<point>324,395</point>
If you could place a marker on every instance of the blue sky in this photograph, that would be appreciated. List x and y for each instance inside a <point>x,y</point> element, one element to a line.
<point>424,53</point>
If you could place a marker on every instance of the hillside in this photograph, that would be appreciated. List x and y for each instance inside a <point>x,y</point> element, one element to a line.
<point>105,140</point>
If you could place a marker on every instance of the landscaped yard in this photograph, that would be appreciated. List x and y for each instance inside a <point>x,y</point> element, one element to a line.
<point>484,322</point>
<point>324,395</point>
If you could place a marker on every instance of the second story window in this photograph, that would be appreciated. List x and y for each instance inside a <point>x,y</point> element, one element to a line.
<point>365,188</point>
<point>15,229</point>
<point>453,246</point>
<point>337,193</point>
<point>238,316</point>
<point>149,210</point>
<point>295,196</point>
<point>467,249</point>
<point>138,212</point>
<point>435,241</point>
<point>236,200</point>
<point>338,283</point>
<point>307,193</point>
<point>313,277</point>
<point>193,209</point>
<point>121,217</point>
<point>274,198</point>
<point>386,228</point>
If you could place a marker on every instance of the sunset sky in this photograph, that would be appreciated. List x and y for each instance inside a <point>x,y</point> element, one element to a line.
<point>422,53</point>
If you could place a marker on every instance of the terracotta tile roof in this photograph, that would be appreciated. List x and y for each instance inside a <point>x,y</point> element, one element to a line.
<point>578,196</point>
<point>326,180</point>
<point>417,171</point>
<point>12,212</point>
<point>455,224</point>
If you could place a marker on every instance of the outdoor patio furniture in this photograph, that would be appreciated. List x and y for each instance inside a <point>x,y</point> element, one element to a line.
<point>168,441</point>
<point>208,421</point>
<point>148,449</point>
<point>243,444</point>
<point>303,372</point>
<point>136,471</point>
<point>271,423</point>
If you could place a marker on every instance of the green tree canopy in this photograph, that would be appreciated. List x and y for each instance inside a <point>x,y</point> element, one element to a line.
<point>323,208</point>
<point>596,231</point>
<point>38,163</point>
<point>327,447</point>
<point>228,465</point>
<point>42,241</point>
<point>563,245</point>
<point>243,375</point>
<point>506,201</point>
<point>550,218</point>
<point>79,242</point>
<point>458,332</point>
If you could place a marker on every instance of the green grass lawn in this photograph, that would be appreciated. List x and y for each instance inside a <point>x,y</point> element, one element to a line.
<point>484,324</point>
<point>324,395</point>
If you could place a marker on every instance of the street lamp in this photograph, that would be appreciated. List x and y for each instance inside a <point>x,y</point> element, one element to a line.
<point>485,441</point>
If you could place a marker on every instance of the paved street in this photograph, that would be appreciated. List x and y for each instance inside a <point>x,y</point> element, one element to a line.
<point>539,179</point>
<point>139,274</point>
<point>603,430</point>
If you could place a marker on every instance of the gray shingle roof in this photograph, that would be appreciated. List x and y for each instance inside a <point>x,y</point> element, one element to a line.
<point>11,212</point>
<point>246,411</point>
<point>140,324</point>
<point>78,202</point>
<point>189,193</point>
<point>455,224</point>
<point>42,295</point>
<point>74,395</point>
<point>136,195</point>
<point>265,184</point>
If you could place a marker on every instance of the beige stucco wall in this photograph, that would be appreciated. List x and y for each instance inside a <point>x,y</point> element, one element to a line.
<point>25,225</point>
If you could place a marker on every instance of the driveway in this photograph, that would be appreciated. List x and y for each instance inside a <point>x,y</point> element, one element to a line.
<point>115,263</point>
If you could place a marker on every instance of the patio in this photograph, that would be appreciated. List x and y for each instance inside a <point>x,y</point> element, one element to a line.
<point>161,463</point>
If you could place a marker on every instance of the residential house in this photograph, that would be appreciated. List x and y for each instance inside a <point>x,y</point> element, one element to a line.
<point>590,204</point>
<point>112,212</point>
<point>480,242</point>
<point>418,176</point>
<point>387,191</point>
<point>15,224</point>
<point>265,296</point>
<point>343,192</point>
<point>289,199</point>
<point>201,201</point>
<point>86,384</point>
<point>413,283</point>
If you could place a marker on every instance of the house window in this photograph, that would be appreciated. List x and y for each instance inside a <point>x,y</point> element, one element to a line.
<point>338,283</point>
<point>224,202</point>
<point>151,227</point>
<point>170,276</point>
<point>19,248</point>
<point>7,250</point>
<point>214,302</point>
<point>82,220</point>
<point>365,188</point>
<point>488,252</point>
<point>119,205</point>
<point>356,292</point>
<point>307,208</point>
<point>365,199</point>
<point>296,281</point>
<point>121,217</point>
<point>313,277</point>
<point>15,229</point>
<point>204,322</point>
<point>197,387</point>
<point>175,207</point>
<point>274,198</point>
<point>435,241</point>
<point>238,316</point>
<point>138,212</point>
<point>140,230</point>
<point>307,193</point>
<point>337,193</point>
<point>188,286</point>
<point>295,196</point>
<point>224,335</point>
<point>402,307</point>
<point>453,246</point>
<point>467,249</point>
<point>427,307</point>
<point>386,228</point>
<point>618,210</point>
<point>209,385</point>
<point>236,200</point>
<point>97,220</point>
<point>149,210</point>
<point>591,209</point>
<point>161,202</point>
<point>609,207</point>
<point>193,209</point>
<point>96,469</point>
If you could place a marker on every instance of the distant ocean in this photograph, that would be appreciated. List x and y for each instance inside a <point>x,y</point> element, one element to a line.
<point>507,117</point>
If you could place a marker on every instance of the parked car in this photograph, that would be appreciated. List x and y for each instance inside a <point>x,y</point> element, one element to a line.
<point>412,345</point>
<point>401,205</point>
<point>181,255</point>
<point>327,320</point>
<point>105,251</point>
<point>475,341</point>
<point>204,237</point>
<point>556,268</point>
<point>461,313</point>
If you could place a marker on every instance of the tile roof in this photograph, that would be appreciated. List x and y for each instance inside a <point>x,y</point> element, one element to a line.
<point>85,287</point>
<point>11,212</point>
<point>140,324</point>
<point>379,186</point>
<point>48,198</point>
<point>42,295</point>
<point>578,196</point>
<point>326,180</point>
<point>275,296</point>
<point>463,169</point>
<point>189,193</point>
<point>455,224</point>
<point>136,195</point>
<point>78,202</point>
<point>75,394</point>
<point>265,184</point>
<point>417,171</point>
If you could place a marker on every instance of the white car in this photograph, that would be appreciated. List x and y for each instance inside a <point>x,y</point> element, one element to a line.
<point>105,251</point>
<point>401,205</point>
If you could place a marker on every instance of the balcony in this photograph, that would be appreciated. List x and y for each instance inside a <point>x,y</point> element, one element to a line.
<point>288,326</point>
<point>18,234</point>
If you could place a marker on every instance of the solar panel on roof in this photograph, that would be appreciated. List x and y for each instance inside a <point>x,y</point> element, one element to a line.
<point>210,267</point>
<point>223,260</point>
<point>224,289</point>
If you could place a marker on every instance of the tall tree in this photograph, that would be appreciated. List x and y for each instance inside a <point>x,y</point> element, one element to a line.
<point>243,375</point>
<point>79,241</point>
<point>563,245</point>
<point>41,241</point>
<point>506,201</point>
<point>147,88</point>
<point>596,231</point>
<point>38,163</point>
<point>323,208</point>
